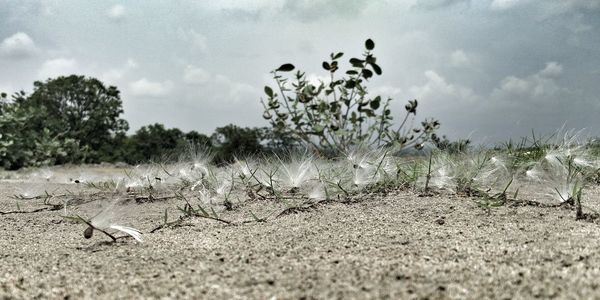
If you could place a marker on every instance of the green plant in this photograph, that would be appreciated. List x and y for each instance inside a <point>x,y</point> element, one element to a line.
<point>334,115</point>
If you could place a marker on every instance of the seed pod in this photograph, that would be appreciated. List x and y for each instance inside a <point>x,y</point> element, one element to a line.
<point>88,232</point>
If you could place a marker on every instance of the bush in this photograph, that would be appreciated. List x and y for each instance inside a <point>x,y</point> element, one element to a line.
<point>335,115</point>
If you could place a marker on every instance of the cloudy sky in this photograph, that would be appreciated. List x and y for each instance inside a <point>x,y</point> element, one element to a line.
<point>487,69</point>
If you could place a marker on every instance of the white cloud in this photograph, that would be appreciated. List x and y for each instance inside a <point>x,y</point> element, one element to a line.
<point>316,79</point>
<point>540,85</point>
<point>459,58</point>
<point>555,8</point>
<point>196,39</point>
<point>147,88</point>
<point>116,12</point>
<point>247,5</point>
<point>515,85</point>
<point>233,92</point>
<point>18,45</point>
<point>552,69</point>
<point>437,87</point>
<point>386,91</point>
<point>113,76</point>
<point>58,67</point>
<point>504,4</point>
<point>435,4</point>
<point>195,75</point>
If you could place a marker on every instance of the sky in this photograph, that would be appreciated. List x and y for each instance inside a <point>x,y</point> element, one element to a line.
<point>488,70</point>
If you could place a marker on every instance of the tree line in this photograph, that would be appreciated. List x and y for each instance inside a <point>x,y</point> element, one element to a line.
<point>77,119</point>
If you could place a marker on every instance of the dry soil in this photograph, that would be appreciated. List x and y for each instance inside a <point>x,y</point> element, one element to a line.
<point>393,246</point>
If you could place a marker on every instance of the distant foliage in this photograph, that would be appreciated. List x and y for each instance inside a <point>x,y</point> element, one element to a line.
<point>79,108</point>
<point>232,141</point>
<point>23,143</point>
<point>333,115</point>
<point>452,147</point>
<point>155,142</point>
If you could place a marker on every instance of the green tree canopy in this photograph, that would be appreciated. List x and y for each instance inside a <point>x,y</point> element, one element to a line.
<point>232,141</point>
<point>80,108</point>
<point>22,144</point>
<point>154,142</point>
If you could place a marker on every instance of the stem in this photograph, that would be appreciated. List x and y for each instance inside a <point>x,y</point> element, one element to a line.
<point>96,228</point>
<point>428,177</point>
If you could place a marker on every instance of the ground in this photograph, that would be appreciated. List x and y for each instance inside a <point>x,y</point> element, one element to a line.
<point>379,246</point>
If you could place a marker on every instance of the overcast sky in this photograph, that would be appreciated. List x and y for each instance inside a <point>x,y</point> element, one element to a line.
<point>487,69</point>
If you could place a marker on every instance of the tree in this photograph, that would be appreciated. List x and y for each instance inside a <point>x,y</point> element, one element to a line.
<point>198,139</point>
<point>232,141</point>
<point>79,108</point>
<point>153,142</point>
<point>22,143</point>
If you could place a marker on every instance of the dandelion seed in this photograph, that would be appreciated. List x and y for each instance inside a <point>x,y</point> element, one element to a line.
<point>106,220</point>
<point>317,192</point>
<point>297,172</point>
<point>136,234</point>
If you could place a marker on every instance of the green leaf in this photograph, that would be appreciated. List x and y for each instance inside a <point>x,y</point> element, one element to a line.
<point>367,73</point>
<point>376,68</point>
<point>350,84</point>
<point>374,104</point>
<point>369,44</point>
<point>356,61</point>
<point>338,55</point>
<point>318,129</point>
<point>351,72</point>
<point>269,91</point>
<point>286,68</point>
<point>326,66</point>
<point>353,117</point>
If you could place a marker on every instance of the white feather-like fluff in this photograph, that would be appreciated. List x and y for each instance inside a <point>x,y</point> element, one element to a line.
<point>136,234</point>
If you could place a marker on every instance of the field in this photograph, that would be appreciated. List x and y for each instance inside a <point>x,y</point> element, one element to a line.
<point>272,237</point>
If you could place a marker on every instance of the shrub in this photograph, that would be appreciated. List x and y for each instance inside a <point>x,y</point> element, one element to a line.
<point>332,116</point>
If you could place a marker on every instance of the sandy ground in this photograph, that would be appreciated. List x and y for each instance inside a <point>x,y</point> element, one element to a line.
<point>394,246</point>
